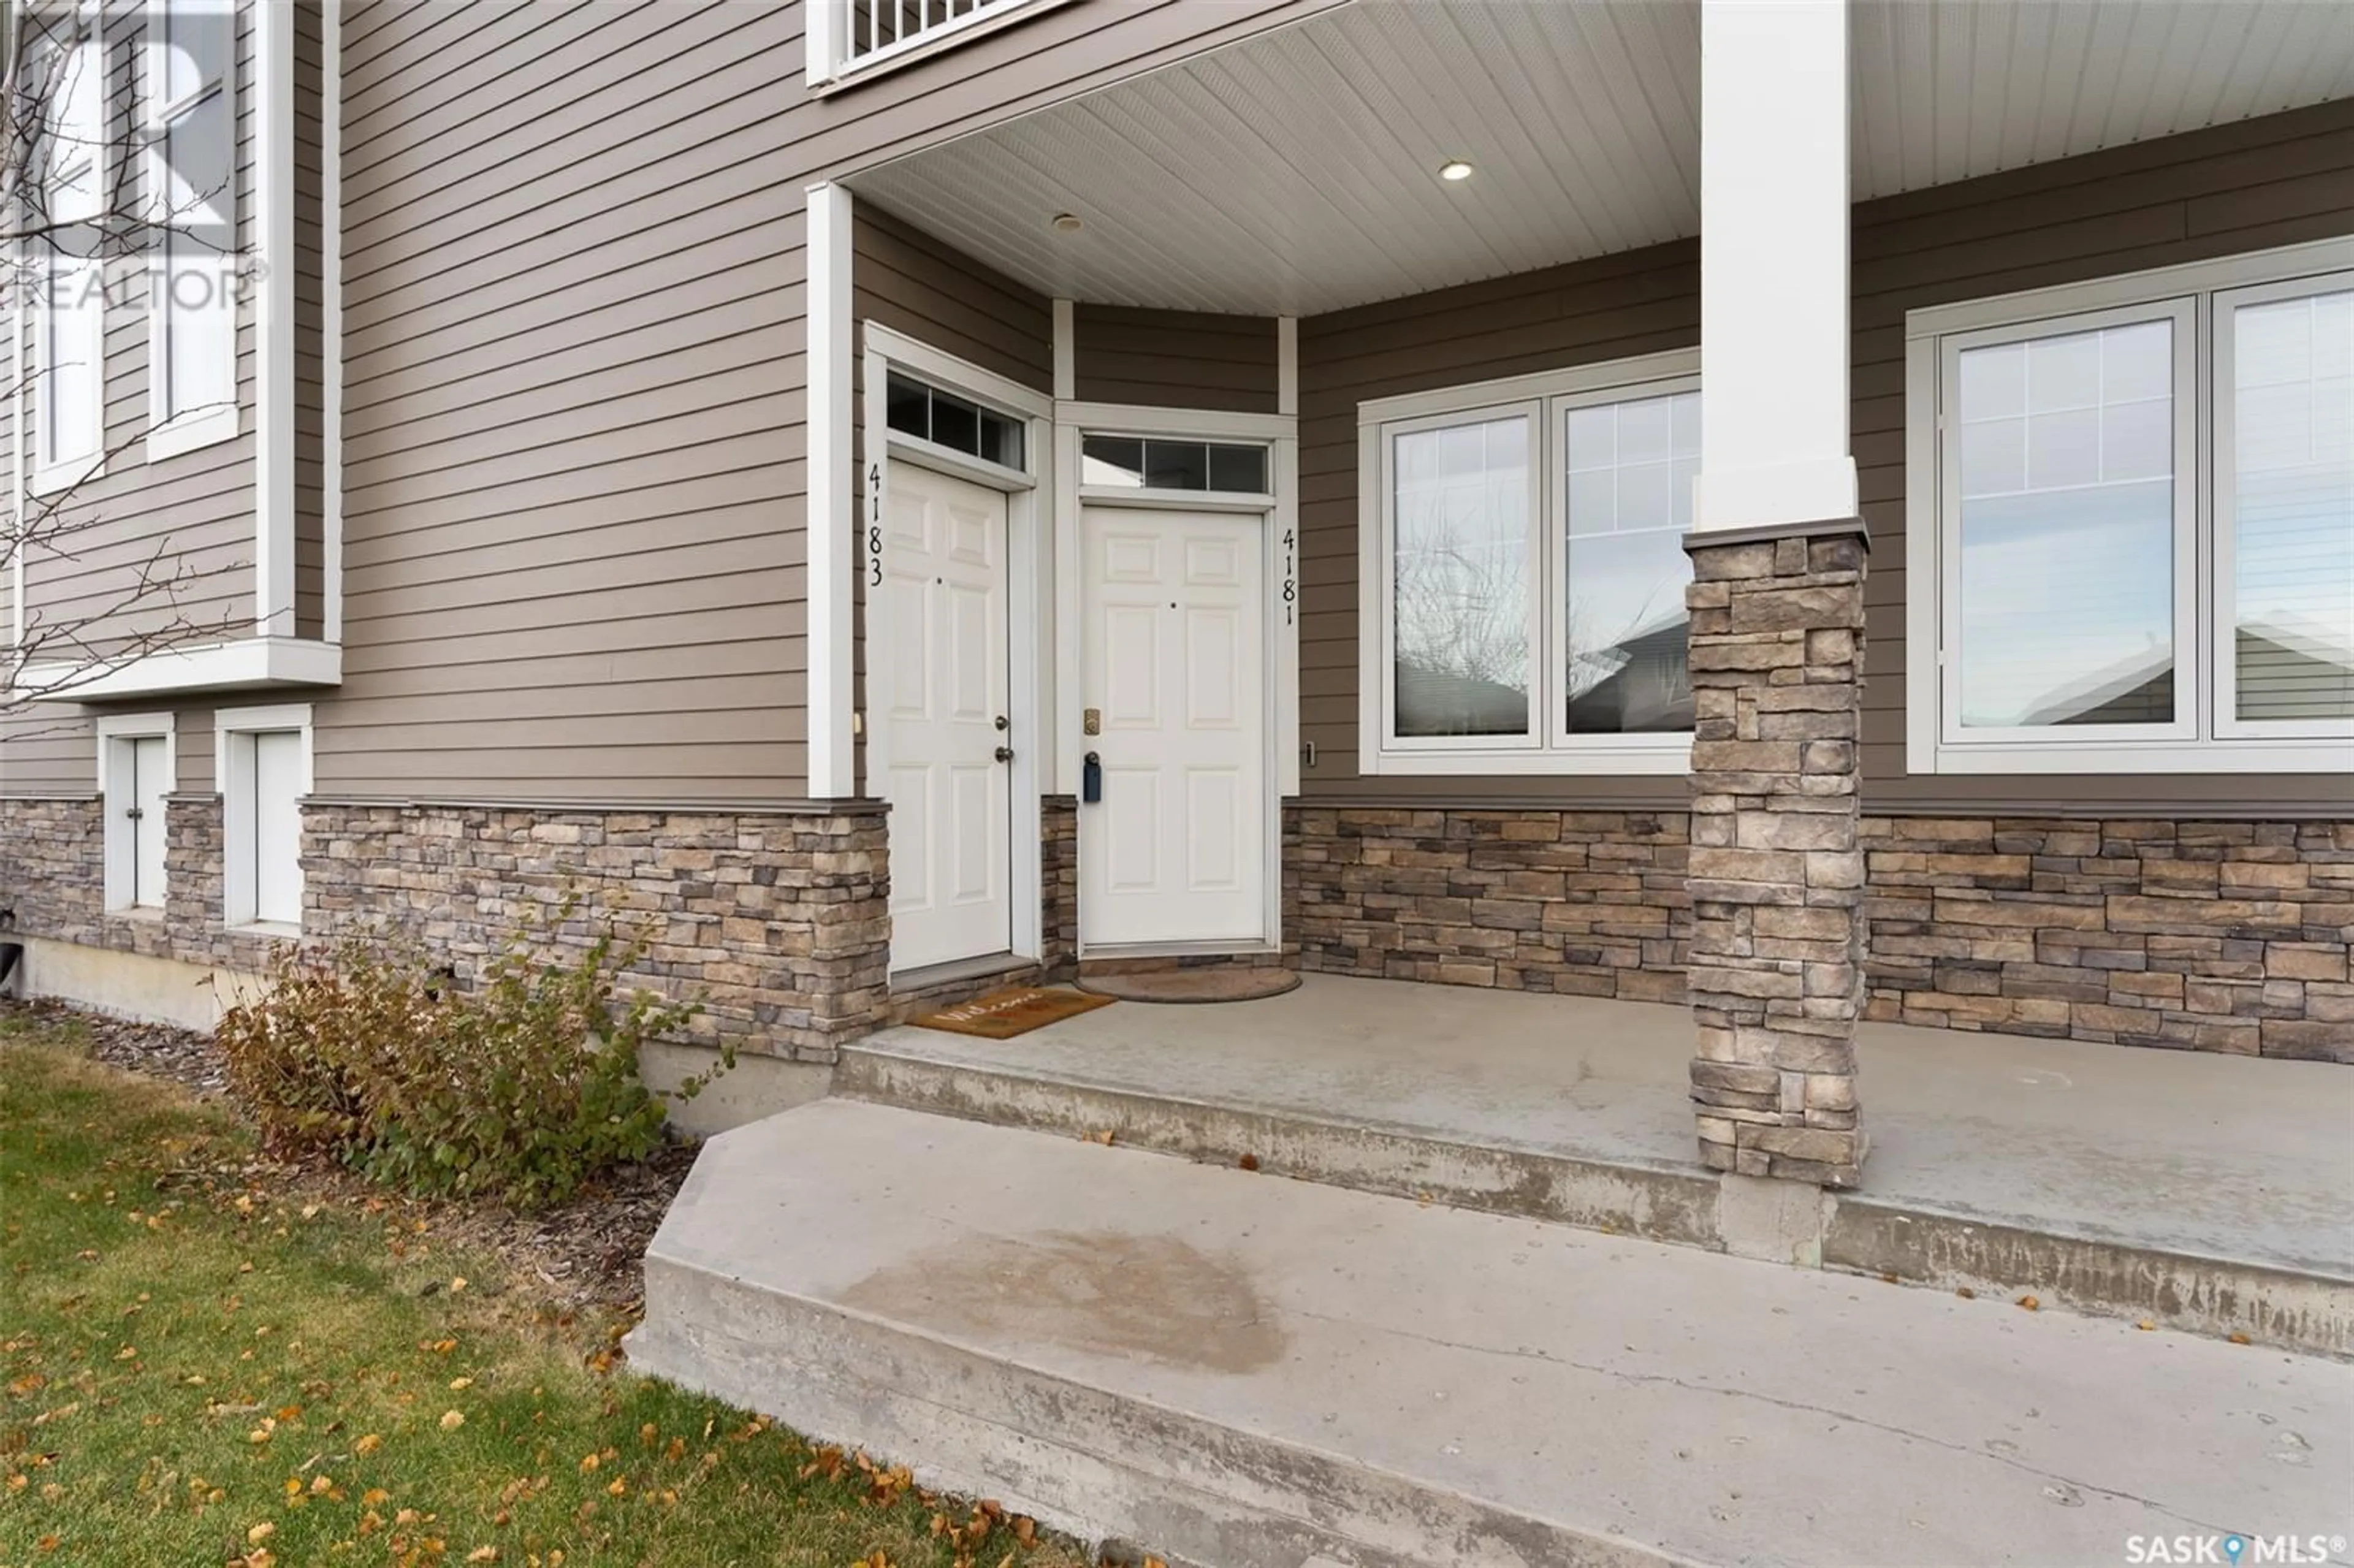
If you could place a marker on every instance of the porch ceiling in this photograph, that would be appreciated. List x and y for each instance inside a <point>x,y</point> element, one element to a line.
<point>1295,173</point>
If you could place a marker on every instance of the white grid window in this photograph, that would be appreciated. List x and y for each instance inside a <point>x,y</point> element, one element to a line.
<point>1523,543</point>
<point>2133,501</point>
<point>190,163</point>
<point>68,318</point>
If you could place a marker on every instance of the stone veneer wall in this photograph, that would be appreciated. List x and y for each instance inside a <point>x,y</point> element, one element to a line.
<point>777,920</point>
<point>2214,935</point>
<point>53,874</point>
<point>1582,903</point>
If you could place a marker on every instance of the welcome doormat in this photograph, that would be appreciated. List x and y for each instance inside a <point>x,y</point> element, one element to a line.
<point>1016,1009</point>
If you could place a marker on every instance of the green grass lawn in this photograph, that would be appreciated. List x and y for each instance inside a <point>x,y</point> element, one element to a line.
<point>208,1362</point>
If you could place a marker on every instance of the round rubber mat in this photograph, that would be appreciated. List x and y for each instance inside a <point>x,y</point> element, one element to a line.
<point>1215,982</point>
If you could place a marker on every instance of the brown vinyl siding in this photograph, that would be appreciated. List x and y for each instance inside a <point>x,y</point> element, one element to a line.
<point>2246,186</point>
<point>574,547</point>
<point>1173,359</point>
<point>310,378</point>
<point>903,278</point>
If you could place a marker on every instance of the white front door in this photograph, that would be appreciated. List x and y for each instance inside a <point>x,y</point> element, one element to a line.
<point>1173,656</point>
<point>952,796</point>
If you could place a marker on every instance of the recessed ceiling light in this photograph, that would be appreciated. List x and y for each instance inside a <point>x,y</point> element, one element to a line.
<point>1068,223</point>
<point>1455,169</point>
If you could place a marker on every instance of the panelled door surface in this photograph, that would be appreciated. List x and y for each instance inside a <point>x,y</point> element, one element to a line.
<point>1173,649</point>
<point>951,797</point>
<point>277,837</point>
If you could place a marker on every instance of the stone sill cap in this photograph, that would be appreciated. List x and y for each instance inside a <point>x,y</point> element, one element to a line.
<point>1825,528</point>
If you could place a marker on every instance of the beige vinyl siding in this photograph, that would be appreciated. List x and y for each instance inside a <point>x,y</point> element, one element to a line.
<point>573,235</point>
<point>1173,359</point>
<point>2267,182</point>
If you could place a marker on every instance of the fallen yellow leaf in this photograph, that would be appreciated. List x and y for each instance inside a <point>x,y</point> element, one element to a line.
<point>451,1420</point>
<point>259,1533</point>
<point>461,1382</point>
<point>368,1443</point>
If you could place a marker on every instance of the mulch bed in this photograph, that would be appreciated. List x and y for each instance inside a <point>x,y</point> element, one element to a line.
<point>581,1256</point>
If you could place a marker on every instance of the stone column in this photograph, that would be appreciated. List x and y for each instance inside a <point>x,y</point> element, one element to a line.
<point>1776,876</point>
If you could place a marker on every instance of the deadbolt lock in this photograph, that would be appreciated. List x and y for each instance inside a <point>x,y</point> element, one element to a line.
<point>1091,721</point>
<point>1003,723</point>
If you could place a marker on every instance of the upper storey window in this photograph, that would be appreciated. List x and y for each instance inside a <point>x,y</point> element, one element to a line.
<point>848,39</point>
<point>66,269</point>
<point>188,122</point>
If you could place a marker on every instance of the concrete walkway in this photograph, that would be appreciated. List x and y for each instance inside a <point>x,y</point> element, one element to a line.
<point>2224,1156</point>
<point>1237,1370</point>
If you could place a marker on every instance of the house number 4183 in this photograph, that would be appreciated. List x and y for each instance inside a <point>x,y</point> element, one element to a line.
<point>874,524</point>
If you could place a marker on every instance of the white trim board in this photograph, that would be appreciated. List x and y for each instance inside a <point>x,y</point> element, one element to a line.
<point>829,515</point>
<point>246,663</point>
<point>273,440</point>
<point>331,317</point>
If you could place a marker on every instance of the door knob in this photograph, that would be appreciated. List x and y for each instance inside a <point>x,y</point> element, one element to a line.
<point>1003,723</point>
<point>1004,754</point>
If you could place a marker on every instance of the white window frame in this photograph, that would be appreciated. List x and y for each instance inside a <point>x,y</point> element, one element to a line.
<point>56,472</point>
<point>121,867</point>
<point>2180,314</point>
<point>233,733</point>
<point>828,65</point>
<point>2197,742</point>
<point>1548,749</point>
<point>173,430</point>
<point>2224,666</point>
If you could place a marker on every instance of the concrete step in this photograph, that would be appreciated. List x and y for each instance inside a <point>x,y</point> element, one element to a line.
<point>1237,1371</point>
<point>2082,1267</point>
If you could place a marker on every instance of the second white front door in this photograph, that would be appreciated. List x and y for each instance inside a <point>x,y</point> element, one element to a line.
<point>947,776</point>
<point>1175,850</point>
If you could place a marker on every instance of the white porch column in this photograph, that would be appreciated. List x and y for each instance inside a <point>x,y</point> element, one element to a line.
<point>1775,973</point>
<point>832,494</point>
<point>1774,269</point>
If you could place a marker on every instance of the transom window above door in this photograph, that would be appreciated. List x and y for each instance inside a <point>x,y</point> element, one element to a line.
<point>928,413</point>
<point>1522,568</point>
<point>1145,462</point>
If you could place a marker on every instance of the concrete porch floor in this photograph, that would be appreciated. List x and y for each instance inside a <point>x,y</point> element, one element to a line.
<point>1997,1161</point>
